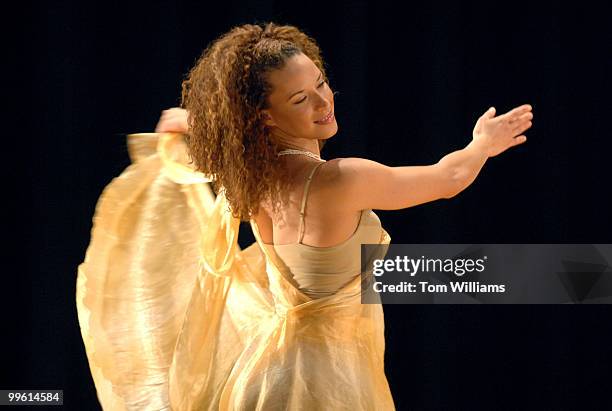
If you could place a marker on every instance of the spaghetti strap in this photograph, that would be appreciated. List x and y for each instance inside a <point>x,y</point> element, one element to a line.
<point>301,230</point>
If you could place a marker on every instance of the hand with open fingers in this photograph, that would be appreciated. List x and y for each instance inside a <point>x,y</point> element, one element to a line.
<point>497,134</point>
<point>173,120</point>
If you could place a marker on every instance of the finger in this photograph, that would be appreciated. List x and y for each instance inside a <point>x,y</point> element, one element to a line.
<point>521,118</point>
<point>521,109</point>
<point>520,127</point>
<point>519,140</point>
<point>490,113</point>
<point>518,111</point>
<point>521,124</point>
<point>515,123</point>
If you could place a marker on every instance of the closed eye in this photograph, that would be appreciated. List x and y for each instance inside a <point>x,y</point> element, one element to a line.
<point>319,86</point>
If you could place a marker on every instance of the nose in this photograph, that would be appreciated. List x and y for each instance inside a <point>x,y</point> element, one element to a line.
<point>324,105</point>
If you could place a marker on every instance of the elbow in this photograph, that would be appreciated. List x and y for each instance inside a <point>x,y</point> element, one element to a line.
<point>452,192</point>
<point>457,185</point>
<point>454,183</point>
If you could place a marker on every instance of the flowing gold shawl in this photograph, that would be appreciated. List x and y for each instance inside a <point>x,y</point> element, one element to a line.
<point>174,315</point>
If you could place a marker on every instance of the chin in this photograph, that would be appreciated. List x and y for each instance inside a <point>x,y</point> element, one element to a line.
<point>333,130</point>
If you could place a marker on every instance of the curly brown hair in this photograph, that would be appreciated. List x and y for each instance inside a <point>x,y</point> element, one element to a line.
<point>224,94</point>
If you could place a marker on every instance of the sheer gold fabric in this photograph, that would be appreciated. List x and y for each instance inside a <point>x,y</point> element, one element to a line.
<point>175,316</point>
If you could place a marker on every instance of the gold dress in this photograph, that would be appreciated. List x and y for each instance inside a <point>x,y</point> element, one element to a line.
<point>175,316</point>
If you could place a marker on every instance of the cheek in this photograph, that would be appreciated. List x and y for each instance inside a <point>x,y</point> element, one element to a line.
<point>301,114</point>
<point>287,118</point>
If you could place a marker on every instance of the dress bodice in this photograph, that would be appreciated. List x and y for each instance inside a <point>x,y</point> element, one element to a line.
<point>320,271</point>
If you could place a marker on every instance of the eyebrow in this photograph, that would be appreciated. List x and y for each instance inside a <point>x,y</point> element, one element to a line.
<point>297,92</point>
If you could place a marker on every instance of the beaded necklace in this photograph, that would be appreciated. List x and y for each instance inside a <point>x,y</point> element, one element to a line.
<point>304,152</point>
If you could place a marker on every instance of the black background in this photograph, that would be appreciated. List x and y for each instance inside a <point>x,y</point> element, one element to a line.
<point>412,80</point>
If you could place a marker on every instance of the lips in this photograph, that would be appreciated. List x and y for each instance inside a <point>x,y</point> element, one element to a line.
<point>327,117</point>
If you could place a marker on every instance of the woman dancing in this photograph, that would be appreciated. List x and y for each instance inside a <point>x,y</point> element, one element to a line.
<point>174,315</point>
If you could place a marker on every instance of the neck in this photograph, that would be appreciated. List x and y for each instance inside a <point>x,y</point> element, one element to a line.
<point>296,143</point>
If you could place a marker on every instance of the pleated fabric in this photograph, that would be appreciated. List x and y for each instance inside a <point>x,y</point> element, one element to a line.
<point>174,315</point>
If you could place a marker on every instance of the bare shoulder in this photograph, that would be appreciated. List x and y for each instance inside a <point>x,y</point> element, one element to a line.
<point>345,179</point>
<point>359,183</point>
<point>264,223</point>
<point>344,169</point>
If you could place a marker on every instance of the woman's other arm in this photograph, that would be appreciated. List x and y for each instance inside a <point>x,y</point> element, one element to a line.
<point>373,185</point>
<point>173,120</point>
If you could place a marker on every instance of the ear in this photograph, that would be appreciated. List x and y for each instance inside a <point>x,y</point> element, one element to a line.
<point>268,120</point>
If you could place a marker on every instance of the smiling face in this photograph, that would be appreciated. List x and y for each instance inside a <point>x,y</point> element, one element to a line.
<point>299,103</point>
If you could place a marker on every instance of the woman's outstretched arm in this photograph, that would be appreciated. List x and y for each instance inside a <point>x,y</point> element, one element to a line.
<point>373,185</point>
